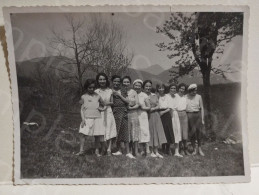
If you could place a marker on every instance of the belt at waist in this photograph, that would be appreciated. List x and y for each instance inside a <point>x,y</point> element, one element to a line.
<point>193,112</point>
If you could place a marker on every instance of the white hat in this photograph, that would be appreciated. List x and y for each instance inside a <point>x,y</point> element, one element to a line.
<point>192,86</point>
<point>138,81</point>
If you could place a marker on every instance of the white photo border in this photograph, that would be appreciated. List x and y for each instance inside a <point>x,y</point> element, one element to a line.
<point>128,8</point>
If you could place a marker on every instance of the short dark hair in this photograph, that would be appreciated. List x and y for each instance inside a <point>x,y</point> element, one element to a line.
<point>106,78</point>
<point>145,82</point>
<point>182,85</point>
<point>89,82</point>
<point>173,84</point>
<point>116,77</point>
<point>126,77</point>
<point>160,85</point>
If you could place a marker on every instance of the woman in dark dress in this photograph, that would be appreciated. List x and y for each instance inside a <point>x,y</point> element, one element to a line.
<point>120,112</point>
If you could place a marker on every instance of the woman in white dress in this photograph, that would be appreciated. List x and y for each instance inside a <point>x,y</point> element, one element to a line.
<point>107,121</point>
<point>144,136</point>
<point>175,118</point>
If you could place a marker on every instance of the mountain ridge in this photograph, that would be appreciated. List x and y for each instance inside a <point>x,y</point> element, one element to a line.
<point>29,67</point>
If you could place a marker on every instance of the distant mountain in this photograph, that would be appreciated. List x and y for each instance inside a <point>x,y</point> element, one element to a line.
<point>154,69</point>
<point>56,64</point>
<point>29,68</point>
<point>140,74</point>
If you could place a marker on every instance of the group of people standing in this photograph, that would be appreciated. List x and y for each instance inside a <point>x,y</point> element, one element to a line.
<point>140,119</point>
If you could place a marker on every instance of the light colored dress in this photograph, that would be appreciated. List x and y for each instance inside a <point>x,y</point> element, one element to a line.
<point>91,115</point>
<point>173,101</point>
<point>181,108</point>
<point>157,134</point>
<point>107,121</point>
<point>133,121</point>
<point>144,136</point>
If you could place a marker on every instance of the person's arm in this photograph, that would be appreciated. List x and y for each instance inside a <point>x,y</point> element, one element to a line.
<point>110,101</point>
<point>202,111</point>
<point>164,111</point>
<point>136,106</point>
<point>146,106</point>
<point>126,100</point>
<point>82,113</point>
<point>102,103</point>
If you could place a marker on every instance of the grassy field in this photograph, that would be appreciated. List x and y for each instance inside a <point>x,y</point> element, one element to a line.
<point>49,152</point>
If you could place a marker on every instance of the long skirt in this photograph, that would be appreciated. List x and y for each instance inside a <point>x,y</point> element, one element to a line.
<point>134,126</point>
<point>184,124</point>
<point>144,136</point>
<point>108,124</point>
<point>157,134</point>
<point>176,127</point>
<point>121,119</point>
<point>168,128</point>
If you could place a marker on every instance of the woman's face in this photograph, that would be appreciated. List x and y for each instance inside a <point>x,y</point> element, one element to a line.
<point>161,90</point>
<point>182,89</point>
<point>91,88</point>
<point>126,82</point>
<point>116,83</point>
<point>137,87</point>
<point>147,87</point>
<point>102,81</point>
<point>172,90</point>
<point>193,92</point>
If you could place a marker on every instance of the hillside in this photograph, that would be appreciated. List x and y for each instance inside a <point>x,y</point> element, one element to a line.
<point>194,77</point>
<point>30,68</point>
<point>154,69</point>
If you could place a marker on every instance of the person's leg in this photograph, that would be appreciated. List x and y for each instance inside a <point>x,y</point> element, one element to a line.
<point>82,142</point>
<point>169,151</point>
<point>193,123</point>
<point>177,150</point>
<point>97,142</point>
<point>120,146</point>
<point>156,152</point>
<point>136,149</point>
<point>198,135</point>
<point>185,147</point>
<point>109,143</point>
<point>131,147</point>
<point>127,147</point>
<point>164,148</point>
<point>128,154</point>
<point>147,148</point>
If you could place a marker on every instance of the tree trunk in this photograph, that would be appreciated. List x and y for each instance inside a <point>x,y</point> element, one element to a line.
<point>207,105</point>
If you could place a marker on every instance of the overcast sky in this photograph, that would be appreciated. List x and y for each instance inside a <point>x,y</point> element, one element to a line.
<point>31,33</point>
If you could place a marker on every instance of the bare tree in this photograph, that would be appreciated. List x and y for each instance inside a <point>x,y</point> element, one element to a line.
<point>99,46</point>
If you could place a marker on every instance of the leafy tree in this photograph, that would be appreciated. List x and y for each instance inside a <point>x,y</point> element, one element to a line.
<point>196,39</point>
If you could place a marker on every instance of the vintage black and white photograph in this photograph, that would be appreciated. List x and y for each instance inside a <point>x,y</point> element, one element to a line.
<point>128,95</point>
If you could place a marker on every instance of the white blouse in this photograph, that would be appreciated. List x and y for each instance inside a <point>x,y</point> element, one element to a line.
<point>164,101</point>
<point>193,103</point>
<point>182,102</point>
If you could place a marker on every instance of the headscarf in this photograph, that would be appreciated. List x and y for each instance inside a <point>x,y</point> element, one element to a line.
<point>138,81</point>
